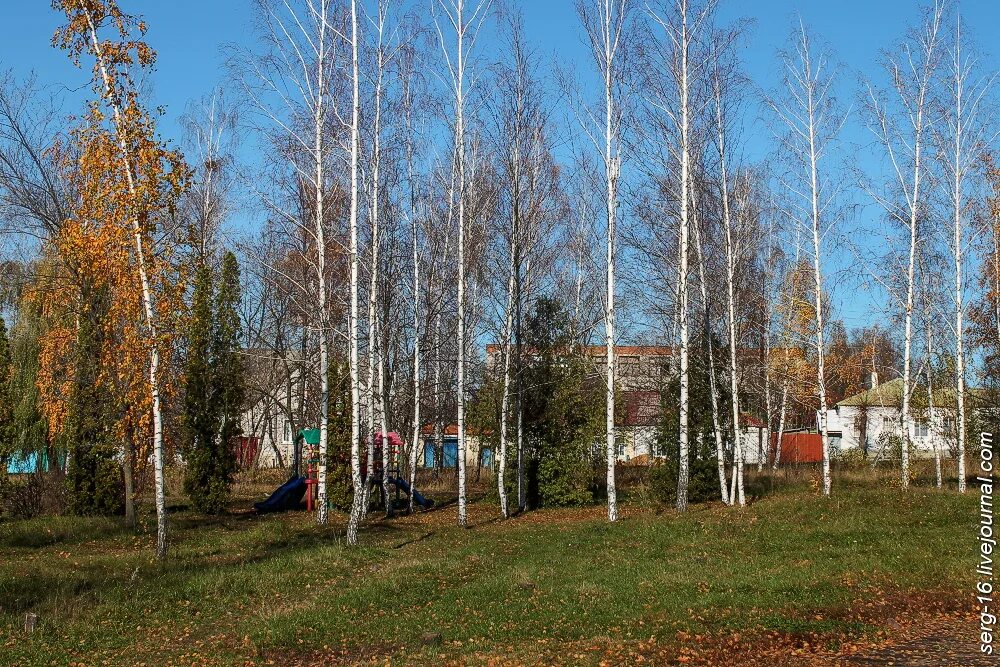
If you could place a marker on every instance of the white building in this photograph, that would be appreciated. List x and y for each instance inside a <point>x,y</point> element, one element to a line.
<point>275,397</point>
<point>755,438</point>
<point>869,420</point>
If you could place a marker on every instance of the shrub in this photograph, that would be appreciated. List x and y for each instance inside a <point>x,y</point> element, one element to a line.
<point>28,496</point>
<point>851,458</point>
<point>703,481</point>
<point>565,478</point>
<point>95,483</point>
<point>20,497</point>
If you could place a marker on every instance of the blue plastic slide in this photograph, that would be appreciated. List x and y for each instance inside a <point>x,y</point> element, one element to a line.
<point>426,503</point>
<point>286,497</point>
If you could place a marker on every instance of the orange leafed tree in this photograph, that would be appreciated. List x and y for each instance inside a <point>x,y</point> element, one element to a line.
<point>986,315</point>
<point>127,183</point>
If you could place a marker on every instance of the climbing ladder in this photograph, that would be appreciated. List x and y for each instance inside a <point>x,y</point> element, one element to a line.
<point>395,467</point>
<point>392,473</point>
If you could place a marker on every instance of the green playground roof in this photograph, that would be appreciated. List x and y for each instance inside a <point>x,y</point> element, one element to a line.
<point>310,435</point>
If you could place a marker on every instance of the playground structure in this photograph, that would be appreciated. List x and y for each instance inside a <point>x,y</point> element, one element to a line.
<point>289,495</point>
<point>393,475</point>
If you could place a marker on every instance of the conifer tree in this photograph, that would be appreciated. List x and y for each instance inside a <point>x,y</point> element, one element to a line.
<point>200,403</point>
<point>215,386</point>
<point>6,404</point>
<point>227,368</point>
<point>93,475</point>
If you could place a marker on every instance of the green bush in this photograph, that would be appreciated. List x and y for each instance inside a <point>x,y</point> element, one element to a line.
<point>95,482</point>
<point>703,481</point>
<point>851,458</point>
<point>20,497</point>
<point>561,413</point>
<point>565,478</point>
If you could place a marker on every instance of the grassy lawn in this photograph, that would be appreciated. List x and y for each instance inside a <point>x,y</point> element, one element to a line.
<point>552,586</point>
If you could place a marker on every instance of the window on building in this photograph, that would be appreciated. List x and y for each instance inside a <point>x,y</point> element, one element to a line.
<point>286,433</point>
<point>949,425</point>
<point>628,364</point>
<point>920,429</point>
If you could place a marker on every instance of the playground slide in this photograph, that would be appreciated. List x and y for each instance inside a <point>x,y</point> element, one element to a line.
<point>286,497</point>
<point>426,503</point>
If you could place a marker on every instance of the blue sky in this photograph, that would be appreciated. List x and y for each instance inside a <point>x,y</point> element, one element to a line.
<point>188,35</point>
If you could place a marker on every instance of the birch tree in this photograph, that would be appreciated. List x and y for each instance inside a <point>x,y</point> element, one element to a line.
<point>903,129</point>
<point>720,451</point>
<point>808,111</point>
<point>409,83</point>
<point>531,205</point>
<point>465,24</point>
<point>962,134</point>
<point>357,506</point>
<point>131,128</point>
<point>376,346</point>
<point>605,26</point>
<point>722,79</point>
<point>513,132</point>
<point>679,28</point>
<point>290,86</point>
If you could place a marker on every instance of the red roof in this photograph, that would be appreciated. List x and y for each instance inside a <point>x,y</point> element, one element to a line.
<point>751,421</point>
<point>602,350</point>
<point>451,430</point>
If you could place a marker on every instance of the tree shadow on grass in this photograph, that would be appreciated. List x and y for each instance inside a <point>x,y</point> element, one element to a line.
<point>48,580</point>
<point>50,531</point>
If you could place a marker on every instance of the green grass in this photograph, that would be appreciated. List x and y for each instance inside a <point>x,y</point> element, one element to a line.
<point>242,588</point>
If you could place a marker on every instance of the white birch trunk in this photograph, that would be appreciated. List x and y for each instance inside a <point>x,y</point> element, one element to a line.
<point>730,300</point>
<point>915,118</point>
<point>415,240</point>
<point>457,18</point>
<point>505,400</point>
<point>782,413</point>
<point>930,399</point>
<point>376,343</point>
<point>720,453</point>
<point>357,505</point>
<point>682,274</point>
<point>958,175</point>
<point>438,411</point>
<point>768,398</point>
<point>611,174</point>
<point>319,119</point>
<point>460,139</point>
<point>416,361</point>
<point>149,308</point>
<point>818,297</point>
<point>813,158</point>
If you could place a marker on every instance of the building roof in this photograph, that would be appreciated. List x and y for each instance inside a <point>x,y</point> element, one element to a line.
<point>889,395</point>
<point>602,350</point>
<point>886,395</point>
<point>451,430</point>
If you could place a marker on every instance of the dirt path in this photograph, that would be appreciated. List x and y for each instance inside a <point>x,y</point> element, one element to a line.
<point>931,643</point>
